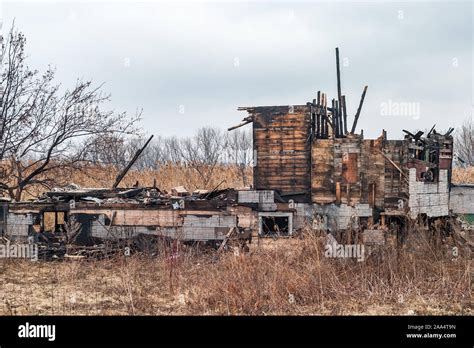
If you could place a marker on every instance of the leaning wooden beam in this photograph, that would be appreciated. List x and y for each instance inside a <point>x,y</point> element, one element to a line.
<point>245,121</point>
<point>130,164</point>
<point>226,239</point>
<point>450,130</point>
<point>356,117</point>
<point>395,165</point>
<point>431,130</point>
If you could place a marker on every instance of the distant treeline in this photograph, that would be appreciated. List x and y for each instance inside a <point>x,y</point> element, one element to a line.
<point>208,146</point>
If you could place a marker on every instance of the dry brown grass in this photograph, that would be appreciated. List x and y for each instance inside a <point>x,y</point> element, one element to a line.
<point>286,276</point>
<point>463,175</point>
<point>277,277</point>
<point>167,177</point>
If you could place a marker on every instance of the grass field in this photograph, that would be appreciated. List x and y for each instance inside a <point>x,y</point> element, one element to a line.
<point>289,277</point>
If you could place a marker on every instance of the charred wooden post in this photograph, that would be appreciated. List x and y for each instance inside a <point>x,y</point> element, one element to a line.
<point>450,130</point>
<point>328,120</point>
<point>130,164</point>
<point>327,123</point>
<point>335,123</point>
<point>314,113</point>
<point>356,117</point>
<point>323,116</point>
<point>431,131</point>
<point>338,71</point>
<point>318,116</point>
<point>344,113</point>
<point>339,119</point>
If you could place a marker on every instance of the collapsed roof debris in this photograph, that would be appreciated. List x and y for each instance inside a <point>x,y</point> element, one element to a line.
<point>151,196</point>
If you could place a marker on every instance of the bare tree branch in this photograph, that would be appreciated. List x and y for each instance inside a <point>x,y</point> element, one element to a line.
<point>43,128</point>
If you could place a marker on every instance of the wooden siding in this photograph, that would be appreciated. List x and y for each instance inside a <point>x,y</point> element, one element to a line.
<point>323,186</point>
<point>281,145</point>
<point>396,185</point>
<point>372,175</point>
<point>348,170</point>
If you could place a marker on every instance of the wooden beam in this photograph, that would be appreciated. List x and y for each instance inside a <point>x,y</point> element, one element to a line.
<point>338,72</point>
<point>324,125</point>
<point>339,119</point>
<point>245,121</point>
<point>318,116</point>
<point>395,165</point>
<point>130,164</point>
<point>335,122</point>
<point>344,113</point>
<point>356,117</point>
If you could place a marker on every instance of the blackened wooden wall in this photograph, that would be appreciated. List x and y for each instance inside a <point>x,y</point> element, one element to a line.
<point>282,149</point>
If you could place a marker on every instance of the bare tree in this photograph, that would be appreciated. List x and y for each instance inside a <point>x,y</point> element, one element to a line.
<point>109,149</point>
<point>43,129</point>
<point>464,142</point>
<point>239,151</point>
<point>172,149</point>
<point>203,152</point>
<point>153,156</point>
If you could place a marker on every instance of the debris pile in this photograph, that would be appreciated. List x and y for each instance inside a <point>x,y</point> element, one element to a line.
<point>151,196</point>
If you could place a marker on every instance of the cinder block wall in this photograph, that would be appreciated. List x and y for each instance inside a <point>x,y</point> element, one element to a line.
<point>428,198</point>
<point>333,217</point>
<point>18,225</point>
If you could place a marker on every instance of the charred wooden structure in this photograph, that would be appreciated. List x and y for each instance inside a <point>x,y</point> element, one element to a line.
<point>311,169</point>
<point>348,176</point>
<point>309,155</point>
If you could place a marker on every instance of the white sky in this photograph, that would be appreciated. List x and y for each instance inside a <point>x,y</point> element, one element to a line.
<point>161,55</point>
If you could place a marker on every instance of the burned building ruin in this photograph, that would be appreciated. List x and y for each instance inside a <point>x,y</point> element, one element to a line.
<point>310,169</point>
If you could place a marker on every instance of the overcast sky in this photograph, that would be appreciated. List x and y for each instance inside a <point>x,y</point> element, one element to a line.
<point>192,64</point>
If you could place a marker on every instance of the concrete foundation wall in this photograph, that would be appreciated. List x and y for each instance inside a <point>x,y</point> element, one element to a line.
<point>264,198</point>
<point>303,215</point>
<point>193,227</point>
<point>207,228</point>
<point>334,217</point>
